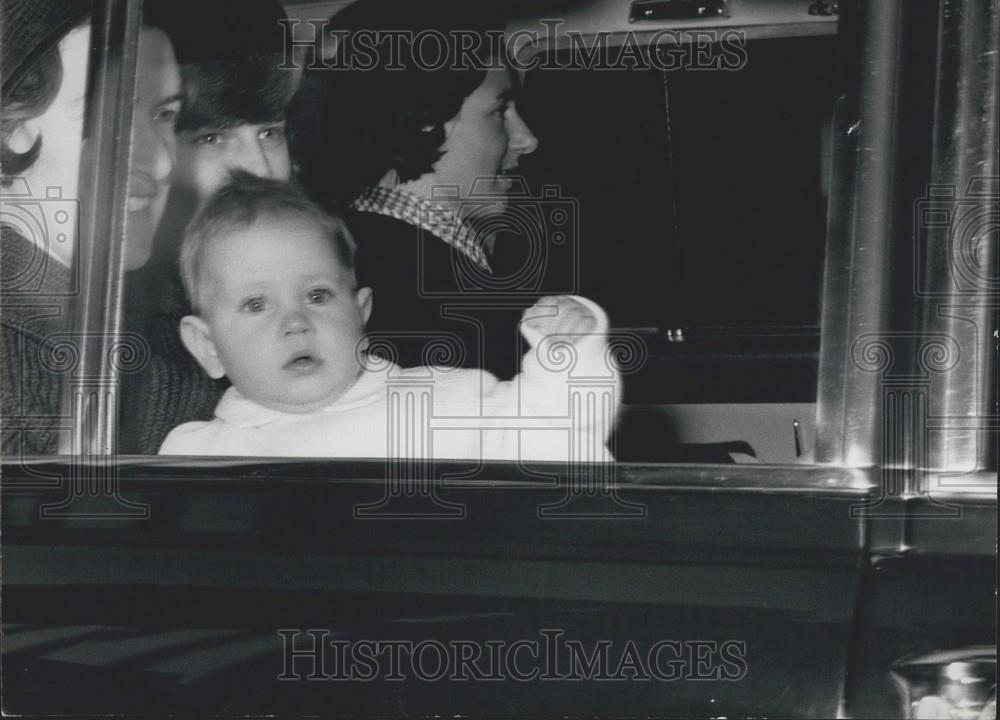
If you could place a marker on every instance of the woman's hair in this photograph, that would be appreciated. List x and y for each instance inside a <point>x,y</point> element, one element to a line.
<point>26,100</point>
<point>31,67</point>
<point>31,86</point>
<point>383,101</point>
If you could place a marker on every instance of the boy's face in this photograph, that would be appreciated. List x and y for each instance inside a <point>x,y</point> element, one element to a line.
<point>207,157</point>
<point>282,316</point>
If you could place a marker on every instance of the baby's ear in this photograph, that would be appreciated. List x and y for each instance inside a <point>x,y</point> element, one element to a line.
<point>364,298</point>
<point>197,337</point>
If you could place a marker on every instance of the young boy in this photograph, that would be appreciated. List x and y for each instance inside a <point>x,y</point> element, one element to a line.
<point>271,279</point>
<point>232,118</point>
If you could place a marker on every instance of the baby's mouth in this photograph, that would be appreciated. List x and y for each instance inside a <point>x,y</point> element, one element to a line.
<point>302,363</point>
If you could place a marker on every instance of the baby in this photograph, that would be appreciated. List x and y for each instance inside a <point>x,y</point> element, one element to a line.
<point>278,311</point>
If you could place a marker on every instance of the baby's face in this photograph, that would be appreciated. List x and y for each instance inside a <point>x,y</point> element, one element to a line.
<point>283,313</point>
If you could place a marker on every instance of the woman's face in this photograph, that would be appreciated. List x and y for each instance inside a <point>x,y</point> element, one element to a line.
<point>485,141</point>
<point>57,168</point>
<point>157,102</point>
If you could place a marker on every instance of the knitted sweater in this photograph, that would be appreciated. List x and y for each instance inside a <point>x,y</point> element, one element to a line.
<point>34,303</point>
<point>171,388</point>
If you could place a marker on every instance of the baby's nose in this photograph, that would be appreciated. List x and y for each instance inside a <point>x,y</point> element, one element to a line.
<point>296,321</point>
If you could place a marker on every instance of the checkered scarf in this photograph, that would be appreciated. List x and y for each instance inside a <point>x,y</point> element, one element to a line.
<point>426,215</point>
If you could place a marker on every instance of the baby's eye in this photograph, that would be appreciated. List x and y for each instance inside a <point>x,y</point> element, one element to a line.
<point>253,305</point>
<point>319,296</point>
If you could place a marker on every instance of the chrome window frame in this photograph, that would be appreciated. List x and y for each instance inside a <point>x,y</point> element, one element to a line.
<point>930,407</point>
<point>90,395</point>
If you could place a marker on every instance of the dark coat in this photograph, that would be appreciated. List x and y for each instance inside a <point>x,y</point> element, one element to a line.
<point>171,388</point>
<point>34,304</point>
<point>424,289</point>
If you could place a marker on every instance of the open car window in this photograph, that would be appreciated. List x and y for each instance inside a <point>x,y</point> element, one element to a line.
<point>692,204</point>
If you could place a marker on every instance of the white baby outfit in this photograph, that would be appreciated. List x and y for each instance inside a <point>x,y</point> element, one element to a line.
<point>560,407</point>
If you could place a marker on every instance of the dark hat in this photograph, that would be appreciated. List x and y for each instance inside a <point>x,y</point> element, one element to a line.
<point>30,28</point>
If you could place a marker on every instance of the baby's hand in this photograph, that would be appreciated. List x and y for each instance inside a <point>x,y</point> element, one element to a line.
<point>559,315</point>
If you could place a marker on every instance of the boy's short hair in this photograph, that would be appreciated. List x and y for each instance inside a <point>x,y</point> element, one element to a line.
<point>230,53</point>
<point>248,90</point>
<point>237,206</point>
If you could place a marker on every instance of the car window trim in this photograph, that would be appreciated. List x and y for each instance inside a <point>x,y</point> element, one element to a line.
<point>91,389</point>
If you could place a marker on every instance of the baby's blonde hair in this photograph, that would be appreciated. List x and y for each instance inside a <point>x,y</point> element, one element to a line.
<point>241,203</point>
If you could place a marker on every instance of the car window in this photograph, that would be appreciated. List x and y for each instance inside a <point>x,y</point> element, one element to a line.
<point>700,196</point>
<point>699,199</point>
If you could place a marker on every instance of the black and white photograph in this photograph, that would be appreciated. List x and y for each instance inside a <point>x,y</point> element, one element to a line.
<point>499,358</point>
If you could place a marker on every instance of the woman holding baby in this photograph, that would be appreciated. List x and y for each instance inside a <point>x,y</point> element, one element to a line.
<point>46,48</point>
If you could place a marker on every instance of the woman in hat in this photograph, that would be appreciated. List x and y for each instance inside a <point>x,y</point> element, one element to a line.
<point>45,50</point>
